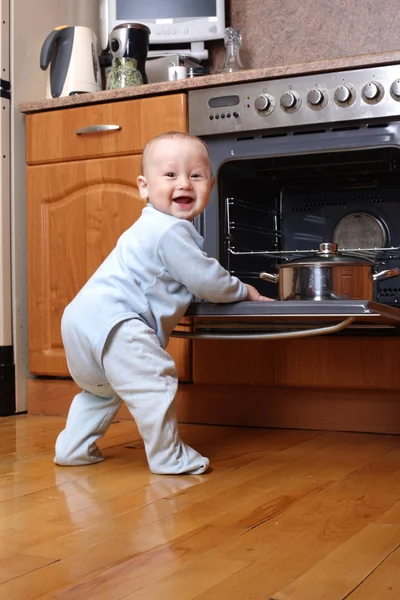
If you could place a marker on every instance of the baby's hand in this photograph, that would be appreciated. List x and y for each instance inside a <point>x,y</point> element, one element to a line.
<point>253,294</point>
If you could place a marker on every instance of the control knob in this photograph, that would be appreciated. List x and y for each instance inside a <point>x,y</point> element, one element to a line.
<point>288,100</point>
<point>262,102</point>
<point>315,97</point>
<point>342,94</point>
<point>395,89</point>
<point>371,91</point>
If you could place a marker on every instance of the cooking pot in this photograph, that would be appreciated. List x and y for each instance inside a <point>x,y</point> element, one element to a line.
<point>328,275</point>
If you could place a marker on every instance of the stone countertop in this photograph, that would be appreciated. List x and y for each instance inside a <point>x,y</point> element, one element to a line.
<point>168,87</point>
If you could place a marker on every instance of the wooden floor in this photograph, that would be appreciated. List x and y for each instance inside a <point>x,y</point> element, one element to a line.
<point>288,515</point>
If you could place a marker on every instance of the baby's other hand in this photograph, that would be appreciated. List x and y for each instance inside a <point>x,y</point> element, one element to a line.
<point>253,294</point>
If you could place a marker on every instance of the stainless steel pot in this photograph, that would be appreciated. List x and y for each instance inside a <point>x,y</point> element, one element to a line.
<point>328,275</point>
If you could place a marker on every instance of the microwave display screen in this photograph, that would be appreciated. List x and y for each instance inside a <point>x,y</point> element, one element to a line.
<point>128,10</point>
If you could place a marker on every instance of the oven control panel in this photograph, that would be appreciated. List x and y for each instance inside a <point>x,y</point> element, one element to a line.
<point>291,102</point>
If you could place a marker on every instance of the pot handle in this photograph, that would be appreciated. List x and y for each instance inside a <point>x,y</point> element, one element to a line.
<point>302,333</point>
<point>273,278</point>
<point>386,274</point>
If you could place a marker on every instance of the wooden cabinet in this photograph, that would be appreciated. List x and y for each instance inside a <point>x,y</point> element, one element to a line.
<point>77,209</point>
<point>337,362</point>
<point>81,195</point>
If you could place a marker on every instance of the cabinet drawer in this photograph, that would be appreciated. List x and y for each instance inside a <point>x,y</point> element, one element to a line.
<point>70,134</point>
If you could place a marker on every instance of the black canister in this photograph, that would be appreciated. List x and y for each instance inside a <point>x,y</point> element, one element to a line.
<point>131,41</point>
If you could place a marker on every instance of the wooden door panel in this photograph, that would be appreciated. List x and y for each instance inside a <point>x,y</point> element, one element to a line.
<point>76,213</point>
<point>339,362</point>
<point>84,227</point>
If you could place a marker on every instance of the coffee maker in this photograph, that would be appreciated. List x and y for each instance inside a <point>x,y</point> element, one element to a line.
<point>129,44</point>
<point>71,53</point>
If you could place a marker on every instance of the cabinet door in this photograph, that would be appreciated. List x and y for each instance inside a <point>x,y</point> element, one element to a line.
<point>76,211</point>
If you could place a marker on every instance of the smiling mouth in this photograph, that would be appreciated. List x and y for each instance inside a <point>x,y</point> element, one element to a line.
<point>183,200</point>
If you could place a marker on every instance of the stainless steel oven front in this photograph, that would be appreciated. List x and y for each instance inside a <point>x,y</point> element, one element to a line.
<point>299,162</point>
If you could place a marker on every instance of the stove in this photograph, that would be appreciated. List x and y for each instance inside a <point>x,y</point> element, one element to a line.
<point>300,161</point>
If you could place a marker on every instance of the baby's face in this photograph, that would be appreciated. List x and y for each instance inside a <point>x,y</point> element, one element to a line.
<point>177,178</point>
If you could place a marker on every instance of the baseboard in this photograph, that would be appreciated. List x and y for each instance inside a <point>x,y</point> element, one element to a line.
<point>372,411</point>
<point>54,396</point>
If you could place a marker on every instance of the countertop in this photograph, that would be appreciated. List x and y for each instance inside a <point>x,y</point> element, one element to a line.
<point>168,87</point>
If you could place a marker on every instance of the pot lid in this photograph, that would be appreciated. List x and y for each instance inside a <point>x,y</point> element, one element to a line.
<point>328,254</point>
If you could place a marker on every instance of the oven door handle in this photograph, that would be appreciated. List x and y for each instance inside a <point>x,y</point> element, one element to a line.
<point>301,333</point>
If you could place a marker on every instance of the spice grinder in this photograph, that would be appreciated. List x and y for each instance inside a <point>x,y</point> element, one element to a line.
<point>129,45</point>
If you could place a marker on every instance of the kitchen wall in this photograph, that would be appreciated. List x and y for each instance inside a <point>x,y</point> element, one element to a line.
<point>277,32</point>
<point>30,22</point>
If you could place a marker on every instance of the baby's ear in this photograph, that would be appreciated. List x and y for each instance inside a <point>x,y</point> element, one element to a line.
<point>143,187</point>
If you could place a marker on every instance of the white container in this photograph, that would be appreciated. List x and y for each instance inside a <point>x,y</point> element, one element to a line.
<point>175,73</point>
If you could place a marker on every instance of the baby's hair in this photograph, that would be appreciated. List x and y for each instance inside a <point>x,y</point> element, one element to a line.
<point>170,135</point>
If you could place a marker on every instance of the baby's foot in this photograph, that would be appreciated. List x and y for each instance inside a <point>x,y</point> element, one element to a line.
<point>185,461</point>
<point>78,457</point>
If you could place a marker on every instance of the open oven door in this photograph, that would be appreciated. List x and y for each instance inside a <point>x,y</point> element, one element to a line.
<point>286,319</point>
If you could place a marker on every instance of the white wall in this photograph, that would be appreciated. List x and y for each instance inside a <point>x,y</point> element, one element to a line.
<point>30,23</point>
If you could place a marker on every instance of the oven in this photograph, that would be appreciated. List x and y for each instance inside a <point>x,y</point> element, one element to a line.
<point>300,162</point>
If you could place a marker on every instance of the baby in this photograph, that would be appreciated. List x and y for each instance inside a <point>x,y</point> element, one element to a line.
<point>116,328</point>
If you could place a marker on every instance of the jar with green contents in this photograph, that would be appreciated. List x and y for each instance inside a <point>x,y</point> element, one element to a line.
<point>124,73</point>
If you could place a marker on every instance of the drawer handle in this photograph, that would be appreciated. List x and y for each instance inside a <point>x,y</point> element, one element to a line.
<point>97,129</point>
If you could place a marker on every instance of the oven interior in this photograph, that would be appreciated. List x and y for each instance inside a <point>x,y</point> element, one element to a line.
<point>274,207</point>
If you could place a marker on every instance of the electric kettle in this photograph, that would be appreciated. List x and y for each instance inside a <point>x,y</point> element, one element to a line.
<point>72,55</point>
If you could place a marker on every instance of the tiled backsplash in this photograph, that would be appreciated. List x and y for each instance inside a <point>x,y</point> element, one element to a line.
<point>279,32</point>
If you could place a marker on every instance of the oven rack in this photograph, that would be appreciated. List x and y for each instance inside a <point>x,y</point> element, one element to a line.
<point>250,225</point>
<point>263,234</point>
<point>373,254</point>
<point>251,206</point>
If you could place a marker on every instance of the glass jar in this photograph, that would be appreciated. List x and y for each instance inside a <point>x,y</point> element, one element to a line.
<point>233,41</point>
<point>124,73</point>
